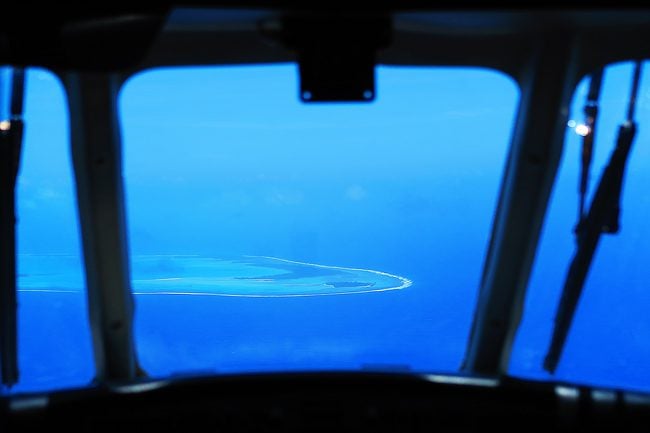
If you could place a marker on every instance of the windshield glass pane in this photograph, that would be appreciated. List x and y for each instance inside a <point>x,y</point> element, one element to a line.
<point>608,342</point>
<point>268,235</point>
<point>54,345</point>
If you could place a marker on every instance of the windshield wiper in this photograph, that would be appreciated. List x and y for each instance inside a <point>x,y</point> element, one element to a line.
<point>603,217</point>
<point>591,116</point>
<point>11,135</point>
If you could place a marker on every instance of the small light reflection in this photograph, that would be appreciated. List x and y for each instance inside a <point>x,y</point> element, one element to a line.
<point>5,125</point>
<point>582,130</point>
<point>571,124</point>
<point>567,392</point>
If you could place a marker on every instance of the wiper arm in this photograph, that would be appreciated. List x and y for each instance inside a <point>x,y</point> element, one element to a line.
<point>11,135</point>
<point>591,115</point>
<point>602,217</point>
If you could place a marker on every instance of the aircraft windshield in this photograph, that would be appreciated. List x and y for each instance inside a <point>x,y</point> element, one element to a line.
<point>271,235</point>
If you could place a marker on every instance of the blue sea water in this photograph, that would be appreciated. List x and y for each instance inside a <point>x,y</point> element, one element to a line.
<point>410,329</point>
<point>224,163</point>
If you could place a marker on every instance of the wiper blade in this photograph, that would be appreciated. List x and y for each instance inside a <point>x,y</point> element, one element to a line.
<point>602,217</point>
<point>11,134</point>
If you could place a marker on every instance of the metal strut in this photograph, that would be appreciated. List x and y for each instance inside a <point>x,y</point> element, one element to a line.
<point>547,84</point>
<point>11,136</point>
<point>97,159</point>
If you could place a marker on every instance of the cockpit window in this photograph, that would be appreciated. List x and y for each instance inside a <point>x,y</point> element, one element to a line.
<point>607,343</point>
<point>271,235</point>
<point>54,345</point>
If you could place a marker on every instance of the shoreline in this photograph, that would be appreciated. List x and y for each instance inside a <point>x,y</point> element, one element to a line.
<point>405,283</point>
